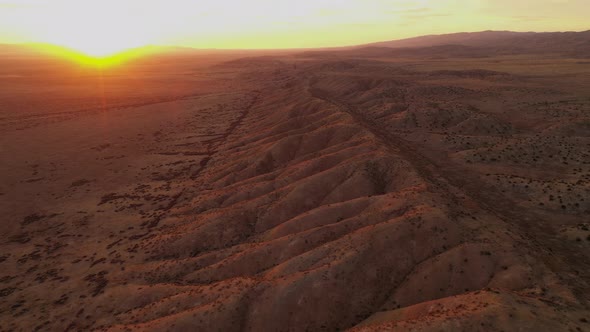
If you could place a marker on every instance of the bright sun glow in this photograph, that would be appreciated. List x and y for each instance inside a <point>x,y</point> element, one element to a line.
<point>102,28</point>
<point>99,29</point>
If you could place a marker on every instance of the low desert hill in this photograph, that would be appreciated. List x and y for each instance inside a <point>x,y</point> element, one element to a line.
<point>533,42</point>
<point>480,44</point>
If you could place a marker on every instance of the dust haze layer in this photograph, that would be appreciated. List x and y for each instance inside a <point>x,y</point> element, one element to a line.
<point>355,190</point>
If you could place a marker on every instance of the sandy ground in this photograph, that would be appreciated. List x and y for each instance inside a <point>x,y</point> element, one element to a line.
<point>296,192</point>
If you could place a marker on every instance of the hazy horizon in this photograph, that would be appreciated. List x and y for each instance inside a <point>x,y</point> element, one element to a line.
<point>107,27</point>
<point>25,43</point>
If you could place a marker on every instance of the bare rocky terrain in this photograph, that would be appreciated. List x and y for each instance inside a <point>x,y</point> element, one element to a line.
<point>313,191</point>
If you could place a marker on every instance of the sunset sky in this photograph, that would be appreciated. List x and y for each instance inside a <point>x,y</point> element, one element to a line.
<point>107,26</point>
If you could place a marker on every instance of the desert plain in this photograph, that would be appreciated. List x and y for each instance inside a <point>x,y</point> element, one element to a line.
<point>426,188</point>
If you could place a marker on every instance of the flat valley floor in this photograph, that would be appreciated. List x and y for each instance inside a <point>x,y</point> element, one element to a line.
<point>303,192</point>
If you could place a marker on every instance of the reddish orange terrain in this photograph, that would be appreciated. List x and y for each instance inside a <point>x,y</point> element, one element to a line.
<point>361,190</point>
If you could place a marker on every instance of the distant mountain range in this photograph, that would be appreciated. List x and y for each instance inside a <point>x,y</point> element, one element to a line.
<point>485,43</point>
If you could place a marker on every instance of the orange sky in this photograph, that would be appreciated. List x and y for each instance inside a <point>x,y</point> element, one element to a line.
<point>108,26</point>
